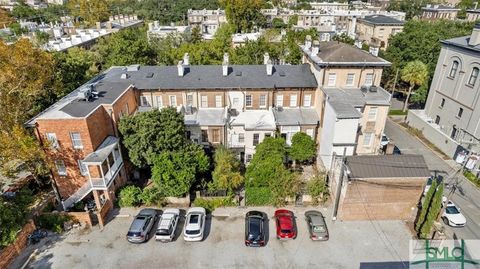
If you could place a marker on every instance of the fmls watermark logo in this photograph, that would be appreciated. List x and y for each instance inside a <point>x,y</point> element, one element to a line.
<point>450,254</point>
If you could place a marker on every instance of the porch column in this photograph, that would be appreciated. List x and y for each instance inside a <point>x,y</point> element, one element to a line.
<point>96,196</point>
<point>101,172</point>
<point>109,168</point>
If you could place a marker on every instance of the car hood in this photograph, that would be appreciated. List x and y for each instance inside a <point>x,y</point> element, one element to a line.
<point>457,218</point>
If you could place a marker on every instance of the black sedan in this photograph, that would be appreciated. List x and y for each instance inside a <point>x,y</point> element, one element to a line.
<point>254,229</point>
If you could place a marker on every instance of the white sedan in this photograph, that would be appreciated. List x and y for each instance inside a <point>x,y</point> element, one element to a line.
<point>452,216</point>
<point>194,224</point>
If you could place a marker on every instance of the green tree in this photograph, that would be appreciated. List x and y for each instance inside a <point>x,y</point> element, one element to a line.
<point>196,35</point>
<point>227,174</point>
<point>90,11</point>
<point>412,8</point>
<point>433,211</point>
<point>425,206</point>
<point>17,29</point>
<point>268,158</point>
<point>344,38</point>
<point>129,196</point>
<point>23,11</point>
<point>415,74</point>
<point>292,21</point>
<point>129,46</point>
<point>464,5</point>
<point>278,23</point>
<point>303,147</point>
<point>146,135</point>
<point>420,95</point>
<point>244,15</point>
<point>174,172</point>
<point>317,188</point>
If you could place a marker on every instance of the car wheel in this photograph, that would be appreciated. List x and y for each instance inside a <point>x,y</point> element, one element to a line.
<point>146,238</point>
<point>445,220</point>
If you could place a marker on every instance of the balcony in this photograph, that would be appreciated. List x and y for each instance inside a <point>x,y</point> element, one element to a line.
<point>104,164</point>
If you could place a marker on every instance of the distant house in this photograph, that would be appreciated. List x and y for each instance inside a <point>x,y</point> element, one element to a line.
<point>439,12</point>
<point>383,187</point>
<point>377,29</point>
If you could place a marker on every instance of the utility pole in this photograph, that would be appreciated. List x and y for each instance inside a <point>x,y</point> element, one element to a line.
<point>339,184</point>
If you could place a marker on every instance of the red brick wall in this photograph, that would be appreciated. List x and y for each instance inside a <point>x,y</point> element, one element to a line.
<point>381,199</point>
<point>8,254</point>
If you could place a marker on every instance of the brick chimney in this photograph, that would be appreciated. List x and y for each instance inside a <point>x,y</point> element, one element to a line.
<point>181,69</point>
<point>475,37</point>
<point>225,65</point>
<point>269,66</point>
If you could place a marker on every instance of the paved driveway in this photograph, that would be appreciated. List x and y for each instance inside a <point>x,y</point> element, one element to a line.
<point>356,244</point>
<point>467,197</point>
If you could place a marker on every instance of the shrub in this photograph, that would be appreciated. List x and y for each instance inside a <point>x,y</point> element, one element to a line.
<point>470,176</point>
<point>152,197</point>
<point>318,189</point>
<point>52,222</point>
<point>129,196</point>
<point>257,196</point>
<point>211,204</point>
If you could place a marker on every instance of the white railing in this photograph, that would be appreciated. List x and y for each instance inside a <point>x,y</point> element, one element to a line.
<point>104,181</point>
<point>78,195</point>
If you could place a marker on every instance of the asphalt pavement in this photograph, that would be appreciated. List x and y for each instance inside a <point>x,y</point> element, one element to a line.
<point>466,196</point>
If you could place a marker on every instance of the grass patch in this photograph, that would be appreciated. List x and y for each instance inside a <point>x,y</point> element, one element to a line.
<point>397,112</point>
<point>470,176</point>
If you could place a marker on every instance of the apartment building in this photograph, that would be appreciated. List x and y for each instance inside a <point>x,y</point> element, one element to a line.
<point>353,106</point>
<point>329,6</point>
<point>451,118</point>
<point>377,29</point>
<point>155,30</point>
<point>208,20</point>
<point>439,12</point>
<point>233,105</point>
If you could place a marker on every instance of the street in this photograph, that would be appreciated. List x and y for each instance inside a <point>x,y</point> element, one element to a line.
<point>467,196</point>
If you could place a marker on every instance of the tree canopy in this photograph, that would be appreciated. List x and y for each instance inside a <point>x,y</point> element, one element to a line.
<point>244,15</point>
<point>89,11</point>
<point>148,134</point>
<point>303,147</point>
<point>174,172</point>
<point>227,173</point>
<point>415,73</point>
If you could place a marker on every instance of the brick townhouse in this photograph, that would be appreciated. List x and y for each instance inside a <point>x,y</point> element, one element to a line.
<point>234,105</point>
<point>352,105</point>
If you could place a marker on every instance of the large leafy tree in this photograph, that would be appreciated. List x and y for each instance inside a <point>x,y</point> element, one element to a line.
<point>303,147</point>
<point>90,11</point>
<point>244,14</point>
<point>129,46</point>
<point>415,73</point>
<point>148,134</point>
<point>227,174</point>
<point>5,17</point>
<point>174,172</point>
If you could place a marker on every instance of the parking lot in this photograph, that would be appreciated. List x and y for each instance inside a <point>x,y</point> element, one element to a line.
<point>355,244</point>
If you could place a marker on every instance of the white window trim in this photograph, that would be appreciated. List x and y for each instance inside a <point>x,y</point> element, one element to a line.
<point>353,80</point>
<point>370,139</point>
<point>369,77</point>
<point>371,116</point>
<point>83,171</point>
<point>309,99</point>
<point>73,140</point>
<point>277,99</point>
<point>332,79</point>
<point>188,101</point>
<point>62,163</point>
<point>52,139</point>
<point>218,101</point>
<point>174,100</point>
<point>204,101</point>
<point>144,101</point>
<point>159,101</point>
<point>264,100</point>
<point>292,104</point>
<point>251,100</point>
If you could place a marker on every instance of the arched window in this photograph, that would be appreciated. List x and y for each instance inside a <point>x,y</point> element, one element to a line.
<point>453,71</point>
<point>473,76</point>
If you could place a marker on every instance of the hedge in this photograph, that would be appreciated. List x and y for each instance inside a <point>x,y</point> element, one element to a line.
<point>258,196</point>
<point>212,203</point>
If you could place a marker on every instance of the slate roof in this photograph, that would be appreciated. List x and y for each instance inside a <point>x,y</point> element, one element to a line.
<point>338,53</point>
<point>296,116</point>
<point>387,166</point>
<point>346,101</point>
<point>110,85</point>
<point>382,20</point>
<point>462,42</point>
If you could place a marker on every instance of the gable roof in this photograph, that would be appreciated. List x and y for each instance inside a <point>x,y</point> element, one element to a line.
<point>387,166</point>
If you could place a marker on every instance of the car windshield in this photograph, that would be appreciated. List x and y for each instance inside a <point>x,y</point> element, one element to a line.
<point>285,231</point>
<point>318,229</point>
<point>452,210</point>
<point>384,138</point>
<point>254,227</point>
<point>194,219</point>
<point>164,231</point>
<point>192,232</point>
<point>133,234</point>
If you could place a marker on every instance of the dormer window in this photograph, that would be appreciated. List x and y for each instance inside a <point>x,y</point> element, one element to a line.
<point>453,71</point>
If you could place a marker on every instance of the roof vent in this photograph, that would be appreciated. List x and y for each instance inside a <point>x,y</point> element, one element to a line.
<point>364,88</point>
<point>281,73</point>
<point>373,89</point>
<point>133,67</point>
<point>124,76</point>
<point>238,73</point>
<point>87,93</point>
<point>149,75</point>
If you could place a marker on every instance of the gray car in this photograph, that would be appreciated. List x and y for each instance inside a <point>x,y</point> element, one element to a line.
<point>142,225</point>
<point>316,225</point>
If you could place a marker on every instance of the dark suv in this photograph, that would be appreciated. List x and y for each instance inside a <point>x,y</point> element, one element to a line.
<point>142,225</point>
<point>254,229</point>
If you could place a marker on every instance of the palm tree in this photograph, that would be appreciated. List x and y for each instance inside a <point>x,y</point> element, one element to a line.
<point>416,74</point>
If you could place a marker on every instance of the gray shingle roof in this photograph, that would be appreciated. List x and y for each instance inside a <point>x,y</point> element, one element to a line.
<point>462,42</point>
<point>382,20</point>
<point>346,101</point>
<point>387,166</point>
<point>110,85</point>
